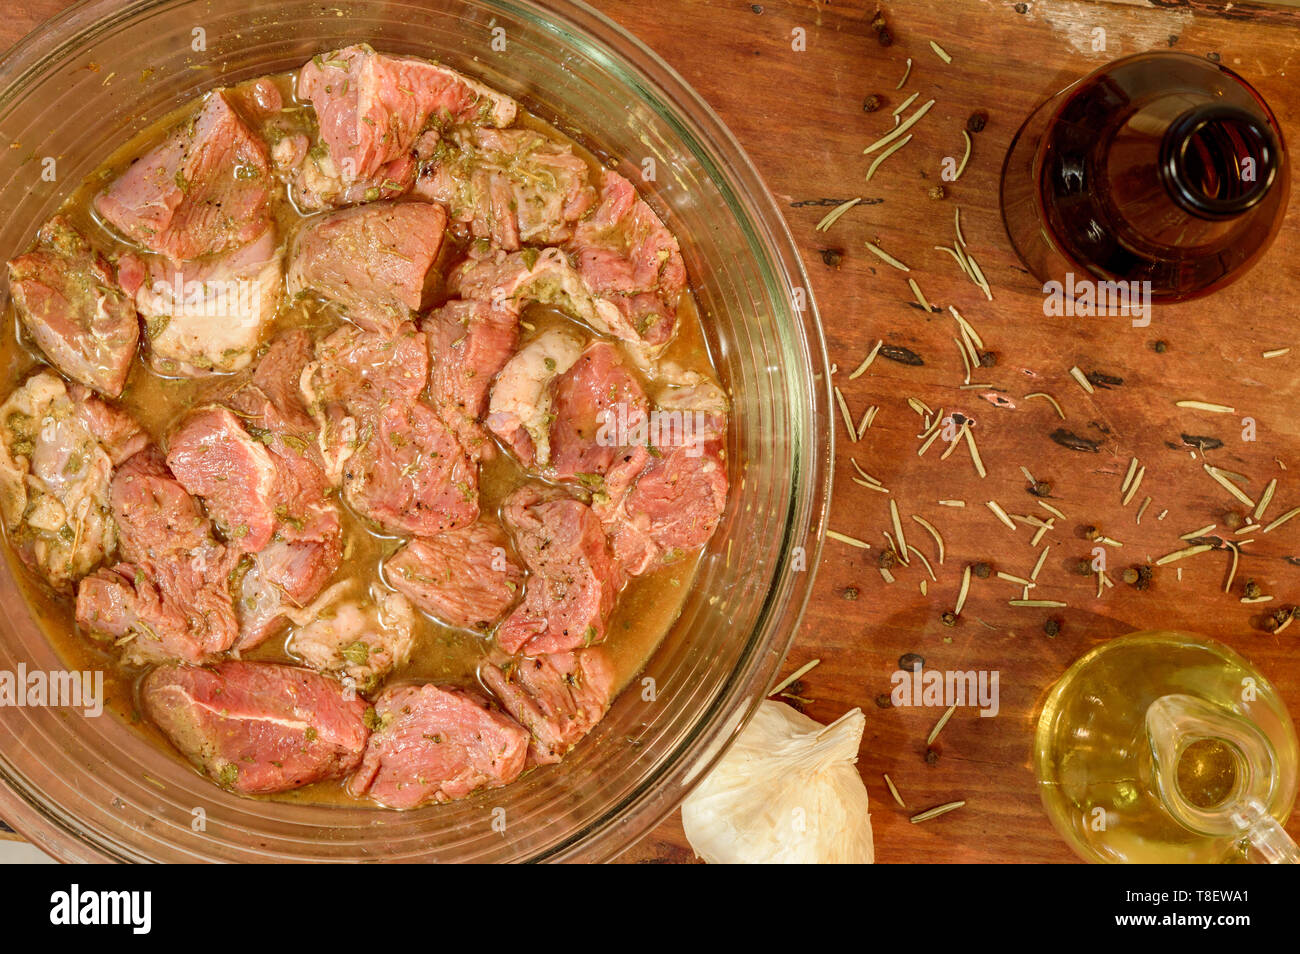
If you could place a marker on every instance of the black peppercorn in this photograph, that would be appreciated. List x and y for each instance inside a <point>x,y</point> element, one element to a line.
<point>982,570</point>
<point>977,121</point>
<point>1052,628</point>
<point>948,618</point>
<point>872,103</point>
<point>909,661</point>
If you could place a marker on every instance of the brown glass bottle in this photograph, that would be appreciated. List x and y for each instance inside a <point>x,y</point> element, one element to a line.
<point>1161,168</point>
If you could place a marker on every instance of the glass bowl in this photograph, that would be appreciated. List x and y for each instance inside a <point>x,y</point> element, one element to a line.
<point>95,789</point>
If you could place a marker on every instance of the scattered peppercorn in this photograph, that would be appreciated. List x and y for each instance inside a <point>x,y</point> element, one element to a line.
<point>885,37</point>
<point>887,559</point>
<point>883,701</point>
<point>1232,520</point>
<point>1041,488</point>
<point>948,619</point>
<point>832,256</point>
<point>1022,8</point>
<point>1130,575</point>
<point>756,7</point>
<point>931,755</point>
<point>1253,590</point>
<point>977,121</point>
<point>1160,346</point>
<point>936,192</point>
<point>1081,568</point>
<point>872,103</point>
<point>982,570</point>
<point>1090,532</point>
<point>1144,577</point>
<point>878,22</point>
<point>1052,628</point>
<point>910,661</point>
<point>850,593</point>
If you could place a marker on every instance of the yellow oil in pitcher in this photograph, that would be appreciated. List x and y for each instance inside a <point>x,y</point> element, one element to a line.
<point>1162,747</point>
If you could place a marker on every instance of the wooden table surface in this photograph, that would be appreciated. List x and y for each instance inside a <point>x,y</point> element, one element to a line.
<point>800,115</point>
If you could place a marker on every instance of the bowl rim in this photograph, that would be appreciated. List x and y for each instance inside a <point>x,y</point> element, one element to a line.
<point>788,591</point>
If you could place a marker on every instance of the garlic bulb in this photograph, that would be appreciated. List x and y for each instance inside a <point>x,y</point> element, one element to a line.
<point>787,792</point>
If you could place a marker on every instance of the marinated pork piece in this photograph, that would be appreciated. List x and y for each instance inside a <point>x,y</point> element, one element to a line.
<point>512,187</point>
<point>363,639</point>
<point>213,457</point>
<point>202,191</point>
<point>116,431</point>
<point>372,260</point>
<point>519,411</point>
<point>469,343</point>
<point>55,482</point>
<point>668,496</point>
<point>208,317</point>
<point>519,279</point>
<point>263,478</point>
<point>363,370</point>
<point>463,578</point>
<point>68,300</point>
<point>598,404</point>
<point>627,257</point>
<point>170,599</point>
<point>410,474</point>
<point>372,108</point>
<point>434,744</point>
<point>573,579</point>
<point>558,698</point>
<point>257,728</point>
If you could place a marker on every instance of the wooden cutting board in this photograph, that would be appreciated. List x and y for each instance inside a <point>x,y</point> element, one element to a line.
<point>790,79</point>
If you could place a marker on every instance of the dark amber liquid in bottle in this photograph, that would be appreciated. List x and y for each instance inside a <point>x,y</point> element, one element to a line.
<point>1160,168</point>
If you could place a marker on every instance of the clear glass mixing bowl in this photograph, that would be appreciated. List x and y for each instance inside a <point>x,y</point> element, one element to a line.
<point>94,789</point>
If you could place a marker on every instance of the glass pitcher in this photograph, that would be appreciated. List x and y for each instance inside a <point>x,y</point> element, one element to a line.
<point>1163,747</point>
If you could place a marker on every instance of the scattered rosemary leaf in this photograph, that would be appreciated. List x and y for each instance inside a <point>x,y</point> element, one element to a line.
<point>1046,604</point>
<point>848,418</point>
<point>1221,479</point>
<point>1281,520</point>
<point>900,129</point>
<point>866,362</point>
<point>904,104</point>
<point>906,73</point>
<point>920,298</point>
<point>1143,509</point>
<point>1232,571</point>
<point>1082,379</point>
<point>1199,533</point>
<point>1049,399</point>
<point>871,169</point>
<point>1183,554</point>
<point>1013,579</point>
<point>1128,477</point>
<point>963,592</point>
<point>886,257</point>
<point>938,540</point>
<point>1205,406</point>
<point>1000,513</point>
<point>898,529</point>
<point>959,259</point>
<point>961,167</point>
<point>940,52</point>
<point>1277,352</point>
<point>833,216</point>
<point>1137,482</point>
<point>938,726</point>
<point>845,538</point>
<point>888,781</point>
<point>924,562</point>
<point>975,453</point>
<point>863,474</point>
<point>1265,499</point>
<point>935,812</point>
<point>868,418</point>
<point>952,503</point>
<point>1050,509</point>
<point>794,677</point>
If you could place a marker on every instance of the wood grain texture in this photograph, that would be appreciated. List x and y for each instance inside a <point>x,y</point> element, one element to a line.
<point>800,116</point>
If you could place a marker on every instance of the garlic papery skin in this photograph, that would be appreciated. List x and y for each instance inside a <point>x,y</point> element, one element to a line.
<point>787,792</point>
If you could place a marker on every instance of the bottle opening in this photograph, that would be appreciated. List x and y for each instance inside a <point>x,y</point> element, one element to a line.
<point>1218,161</point>
<point>1207,773</point>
